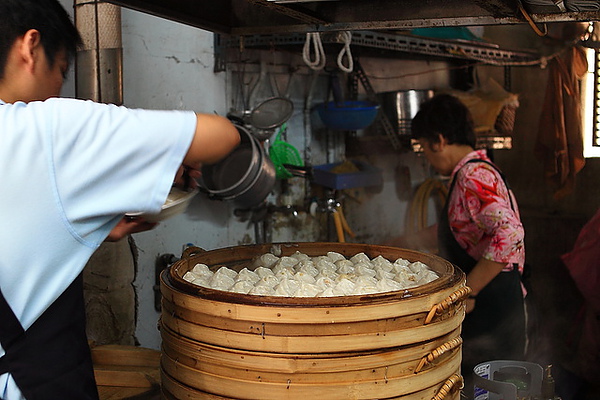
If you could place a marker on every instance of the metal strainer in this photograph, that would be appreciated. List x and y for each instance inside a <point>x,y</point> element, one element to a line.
<point>282,153</point>
<point>271,113</point>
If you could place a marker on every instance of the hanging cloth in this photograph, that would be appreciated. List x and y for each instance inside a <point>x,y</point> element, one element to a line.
<point>559,143</point>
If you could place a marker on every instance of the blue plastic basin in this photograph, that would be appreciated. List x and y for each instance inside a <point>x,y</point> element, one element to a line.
<point>349,115</point>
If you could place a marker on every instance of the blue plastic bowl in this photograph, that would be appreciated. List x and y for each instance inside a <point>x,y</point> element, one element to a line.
<point>349,115</point>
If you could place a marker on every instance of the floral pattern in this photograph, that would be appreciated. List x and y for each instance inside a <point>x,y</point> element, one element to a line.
<point>481,217</point>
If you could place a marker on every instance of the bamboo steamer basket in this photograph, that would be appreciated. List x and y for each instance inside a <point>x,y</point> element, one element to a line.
<point>224,345</point>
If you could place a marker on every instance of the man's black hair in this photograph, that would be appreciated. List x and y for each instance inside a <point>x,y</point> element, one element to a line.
<point>445,115</point>
<point>48,17</point>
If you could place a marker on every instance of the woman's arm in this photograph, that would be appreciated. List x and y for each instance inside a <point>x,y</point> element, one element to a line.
<point>482,274</point>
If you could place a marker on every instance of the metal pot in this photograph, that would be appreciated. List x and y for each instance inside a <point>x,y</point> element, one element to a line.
<point>246,176</point>
<point>402,106</point>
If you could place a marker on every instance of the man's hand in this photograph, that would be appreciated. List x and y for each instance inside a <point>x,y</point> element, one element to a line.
<point>186,177</point>
<point>127,226</point>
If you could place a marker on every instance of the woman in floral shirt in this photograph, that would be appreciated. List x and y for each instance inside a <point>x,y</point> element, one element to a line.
<point>479,231</point>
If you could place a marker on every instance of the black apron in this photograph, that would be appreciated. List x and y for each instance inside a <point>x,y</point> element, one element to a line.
<point>51,360</point>
<point>495,329</point>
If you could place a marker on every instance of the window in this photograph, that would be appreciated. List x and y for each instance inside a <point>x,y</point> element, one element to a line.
<point>591,105</point>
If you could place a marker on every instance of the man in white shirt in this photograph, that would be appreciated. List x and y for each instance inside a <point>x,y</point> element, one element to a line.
<point>69,171</point>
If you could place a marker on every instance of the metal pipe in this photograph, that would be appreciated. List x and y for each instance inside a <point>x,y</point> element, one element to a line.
<point>99,72</point>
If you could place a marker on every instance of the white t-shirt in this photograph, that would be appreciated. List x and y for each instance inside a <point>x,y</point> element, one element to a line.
<point>69,170</point>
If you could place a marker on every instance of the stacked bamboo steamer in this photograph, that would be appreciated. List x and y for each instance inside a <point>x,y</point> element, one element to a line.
<point>394,345</point>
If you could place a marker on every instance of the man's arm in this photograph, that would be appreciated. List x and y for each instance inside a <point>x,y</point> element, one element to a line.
<point>215,138</point>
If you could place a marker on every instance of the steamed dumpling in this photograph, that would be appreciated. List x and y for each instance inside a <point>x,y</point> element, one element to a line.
<point>286,287</point>
<point>360,257</point>
<point>263,271</point>
<point>202,270</point>
<point>300,275</point>
<point>307,290</point>
<point>221,281</point>
<point>333,256</point>
<point>246,275</point>
<point>266,260</point>
<point>227,271</point>
<point>242,287</point>
<point>262,290</point>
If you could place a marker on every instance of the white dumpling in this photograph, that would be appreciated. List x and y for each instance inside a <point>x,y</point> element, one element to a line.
<point>406,277</point>
<point>304,277</point>
<point>333,256</point>
<point>360,257</point>
<point>221,281</point>
<point>267,280</point>
<point>327,293</point>
<point>365,280</point>
<point>362,268</point>
<point>381,273</point>
<point>401,269</point>
<point>202,270</point>
<point>418,267</point>
<point>262,290</point>
<point>202,281</point>
<point>344,287</point>
<point>266,260</point>
<point>189,276</point>
<point>324,282</point>
<point>307,290</point>
<point>300,256</point>
<point>262,271</point>
<point>286,287</point>
<point>325,264</point>
<point>284,273</point>
<point>316,259</point>
<point>226,271</point>
<point>300,275</point>
<point>388,285</point>
<point>426,277</point>
<point>246,275</point>
<point>327,274</point>
<point>286,262</point>
<point>307,267</point>
<point>365,290</point>
<point>345,267</point>
<point>382,263</point>
<point>242,287</point>
<point>401,262</point>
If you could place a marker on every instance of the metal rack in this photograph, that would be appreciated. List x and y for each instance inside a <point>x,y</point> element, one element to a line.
<point>455,49</point>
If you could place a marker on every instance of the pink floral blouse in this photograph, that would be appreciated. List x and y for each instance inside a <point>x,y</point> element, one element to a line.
<point>480,214</point>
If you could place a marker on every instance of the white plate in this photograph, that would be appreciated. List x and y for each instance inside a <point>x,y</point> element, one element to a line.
<point>177,202</point>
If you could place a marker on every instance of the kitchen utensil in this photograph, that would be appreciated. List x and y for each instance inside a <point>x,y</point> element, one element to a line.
<point>177,202</point>
<point>349,115</point>
<point>282,153</point>
<point>245,176</point>
<point>402,106</point>
<point>271,113</point>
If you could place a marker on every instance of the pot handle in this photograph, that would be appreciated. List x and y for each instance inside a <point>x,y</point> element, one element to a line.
<point>445,304</point>
<point>438,352</point>
<point>304,171</point>
<point>454,382</point>
<point>191,251</point>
